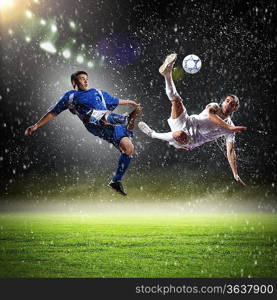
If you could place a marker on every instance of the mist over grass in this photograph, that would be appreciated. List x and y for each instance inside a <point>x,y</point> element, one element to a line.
<point>165,188</point>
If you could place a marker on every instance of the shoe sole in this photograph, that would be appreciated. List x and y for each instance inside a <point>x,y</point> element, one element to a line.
<point>170,59</point>
<point>116,190</point>
<point>134,115</point>
<point>142,124</point>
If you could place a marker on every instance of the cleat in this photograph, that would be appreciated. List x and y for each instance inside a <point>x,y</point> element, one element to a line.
<point>118,187</point>
<point>132,118</point>
<point>145,128</point>
<point>168,64</point>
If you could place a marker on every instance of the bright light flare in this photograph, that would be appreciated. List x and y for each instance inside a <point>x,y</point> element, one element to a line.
<point>6,4</point>
<point>11,10</point>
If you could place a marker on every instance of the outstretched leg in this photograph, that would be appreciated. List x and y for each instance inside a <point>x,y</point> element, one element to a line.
<point>129,121</point>
<point>179,136</point>
<point>114,119</point>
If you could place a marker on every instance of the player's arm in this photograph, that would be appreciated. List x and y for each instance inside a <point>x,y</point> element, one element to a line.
<point>61,105</point>
<point>232,159</point>
<point>46,118</point>
<point>128,102</point>
<point>214,118</point>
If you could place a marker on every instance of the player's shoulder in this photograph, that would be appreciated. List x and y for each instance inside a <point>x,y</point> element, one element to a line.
<point>213,107</point>
<point>92,91</point>
<point>103,92</point>
<point>66,95</point>
<point>107,96</point>
<point>213,104</point>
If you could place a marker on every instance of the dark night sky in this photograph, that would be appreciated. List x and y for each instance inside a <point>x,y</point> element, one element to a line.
<point>236,41</point>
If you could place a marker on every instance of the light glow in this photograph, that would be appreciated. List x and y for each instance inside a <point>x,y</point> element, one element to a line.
<point>66,53</point>
<point>80,59</point>
<point>11,10</point>
<point>29,14</point>
<point>6,4</point>
<point>72,25</point>
<point>48,47</point>
<point>53,28</point>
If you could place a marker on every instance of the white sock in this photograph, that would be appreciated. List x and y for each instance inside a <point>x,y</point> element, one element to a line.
<point>165,136</point>
<point>170,88</point>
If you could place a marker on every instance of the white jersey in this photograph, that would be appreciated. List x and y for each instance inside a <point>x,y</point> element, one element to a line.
<point>200,129</point>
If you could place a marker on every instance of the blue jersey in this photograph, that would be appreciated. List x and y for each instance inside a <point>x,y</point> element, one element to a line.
<point>84,102</point>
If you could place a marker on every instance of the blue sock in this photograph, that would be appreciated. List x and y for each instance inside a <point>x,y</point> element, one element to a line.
<point>116,119</point>
<point>123,163</point>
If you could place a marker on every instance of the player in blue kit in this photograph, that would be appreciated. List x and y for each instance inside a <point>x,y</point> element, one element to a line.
<point>94,108</point>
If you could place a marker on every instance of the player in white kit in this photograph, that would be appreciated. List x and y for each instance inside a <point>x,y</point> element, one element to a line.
<point>188,132</point>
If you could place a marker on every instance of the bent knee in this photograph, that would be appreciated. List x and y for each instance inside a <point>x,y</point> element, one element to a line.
<point>176,99</point>
<point>130,150</point>
<point>127,147</point>
<point>181,137</point>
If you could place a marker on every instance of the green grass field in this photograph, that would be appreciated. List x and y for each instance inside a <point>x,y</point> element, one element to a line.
<point>137,244</point>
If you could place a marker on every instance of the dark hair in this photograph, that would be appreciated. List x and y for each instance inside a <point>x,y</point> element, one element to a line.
<point>76,74</point>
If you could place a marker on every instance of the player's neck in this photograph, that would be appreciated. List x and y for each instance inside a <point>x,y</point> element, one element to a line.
<point>81,90</point>
<point>225,114</point>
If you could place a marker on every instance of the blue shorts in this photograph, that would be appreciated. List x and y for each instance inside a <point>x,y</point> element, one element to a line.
<point>111,133</point>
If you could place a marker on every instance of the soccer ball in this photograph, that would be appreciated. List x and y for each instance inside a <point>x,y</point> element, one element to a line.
<point>192,64</point>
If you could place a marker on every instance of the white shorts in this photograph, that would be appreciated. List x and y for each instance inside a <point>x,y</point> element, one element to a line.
<point>176,125</point>
<point>179,123</point>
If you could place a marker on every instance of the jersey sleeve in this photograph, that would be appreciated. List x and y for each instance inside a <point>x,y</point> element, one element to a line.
<point>111,102</point>
<point>214,106</point>
<point>230,138</point>
<point>60,105</point>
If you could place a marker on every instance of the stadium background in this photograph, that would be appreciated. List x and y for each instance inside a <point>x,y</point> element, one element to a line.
<point>121,44</point>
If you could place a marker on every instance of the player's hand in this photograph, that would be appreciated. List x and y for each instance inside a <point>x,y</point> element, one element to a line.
<point>31,129</point>
<point>138,108</point>
<point>133,103</point>
<point>185,147</point>
<point>237,128</point>
<point>237,178</point>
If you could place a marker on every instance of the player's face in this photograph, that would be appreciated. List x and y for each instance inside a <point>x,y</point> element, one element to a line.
<point>229,105</point>
<point>82,82</point>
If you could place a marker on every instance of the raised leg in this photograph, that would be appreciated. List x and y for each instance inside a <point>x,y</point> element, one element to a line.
<point>177,107</point>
